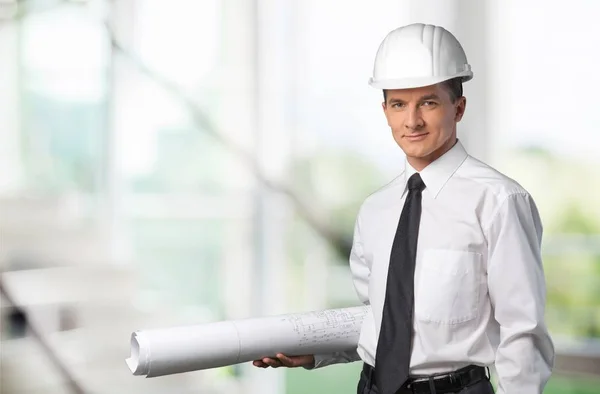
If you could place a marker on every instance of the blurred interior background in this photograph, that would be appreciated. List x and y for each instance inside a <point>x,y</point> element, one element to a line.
<point>185,161</point>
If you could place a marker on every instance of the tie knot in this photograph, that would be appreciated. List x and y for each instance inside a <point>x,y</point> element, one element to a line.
<point>415,182</point>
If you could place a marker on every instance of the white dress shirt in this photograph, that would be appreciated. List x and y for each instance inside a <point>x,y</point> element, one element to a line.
<point>479,284</point>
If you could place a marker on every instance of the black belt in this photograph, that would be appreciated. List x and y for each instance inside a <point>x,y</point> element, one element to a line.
<point>443,383</point>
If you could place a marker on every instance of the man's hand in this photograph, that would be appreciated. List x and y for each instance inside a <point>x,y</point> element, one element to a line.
<point>281,360</point>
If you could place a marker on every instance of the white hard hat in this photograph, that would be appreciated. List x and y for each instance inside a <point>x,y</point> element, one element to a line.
<point>419,55</point>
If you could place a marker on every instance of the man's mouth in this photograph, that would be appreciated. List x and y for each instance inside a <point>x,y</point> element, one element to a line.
<point>416,137</point>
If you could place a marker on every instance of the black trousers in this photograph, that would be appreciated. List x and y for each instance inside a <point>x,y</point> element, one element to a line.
<point>366,386</point>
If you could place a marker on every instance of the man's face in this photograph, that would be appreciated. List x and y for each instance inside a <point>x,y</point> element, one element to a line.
<point>423,121</point>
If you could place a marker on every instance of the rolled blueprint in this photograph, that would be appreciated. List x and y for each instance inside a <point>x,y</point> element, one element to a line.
<point>183,349</point>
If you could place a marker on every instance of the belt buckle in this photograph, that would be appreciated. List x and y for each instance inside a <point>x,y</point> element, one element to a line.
<point>413,388</point>
<point>455,378</point>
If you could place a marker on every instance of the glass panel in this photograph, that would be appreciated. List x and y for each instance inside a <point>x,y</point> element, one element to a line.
<point>65,62</point>
<point>549,144</point>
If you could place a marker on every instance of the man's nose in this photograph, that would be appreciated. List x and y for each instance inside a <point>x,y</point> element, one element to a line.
<point>414,120</point>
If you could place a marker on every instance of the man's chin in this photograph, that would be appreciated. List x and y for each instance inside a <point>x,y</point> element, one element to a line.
<point>416,153</point>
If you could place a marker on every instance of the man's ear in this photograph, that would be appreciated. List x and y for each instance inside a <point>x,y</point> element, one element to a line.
<point>461,106</point>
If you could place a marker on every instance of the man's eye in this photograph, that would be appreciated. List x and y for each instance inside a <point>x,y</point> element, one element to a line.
<point>397,105</point>
<point>429,103</point>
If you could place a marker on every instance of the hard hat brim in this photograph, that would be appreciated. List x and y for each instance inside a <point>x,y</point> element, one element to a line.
<point>418,82</point>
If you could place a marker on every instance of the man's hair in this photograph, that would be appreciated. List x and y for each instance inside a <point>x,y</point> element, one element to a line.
<point>453,87</point>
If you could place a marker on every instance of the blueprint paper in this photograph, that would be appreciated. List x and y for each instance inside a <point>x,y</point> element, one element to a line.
<point>183,349</point>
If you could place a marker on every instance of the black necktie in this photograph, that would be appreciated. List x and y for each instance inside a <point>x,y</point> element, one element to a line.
<point>394,345</point>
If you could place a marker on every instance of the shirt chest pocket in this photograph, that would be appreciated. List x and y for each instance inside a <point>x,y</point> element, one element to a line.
<point>448,286</point>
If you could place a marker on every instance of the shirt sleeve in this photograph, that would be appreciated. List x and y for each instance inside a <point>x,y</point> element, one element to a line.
<point>517,290</point>
<point>360,274</point>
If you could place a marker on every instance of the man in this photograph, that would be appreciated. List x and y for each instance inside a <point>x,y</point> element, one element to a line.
<point>448,253</point>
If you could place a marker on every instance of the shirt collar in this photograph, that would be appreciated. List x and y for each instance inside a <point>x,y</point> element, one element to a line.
<point>436,174</point>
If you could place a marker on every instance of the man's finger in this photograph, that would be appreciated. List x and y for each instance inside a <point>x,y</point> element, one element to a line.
<point>272,362</point>
<point>288,362</point>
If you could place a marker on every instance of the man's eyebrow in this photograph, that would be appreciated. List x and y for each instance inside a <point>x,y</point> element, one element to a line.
<point>395,100</point>
<point>432,96</point>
